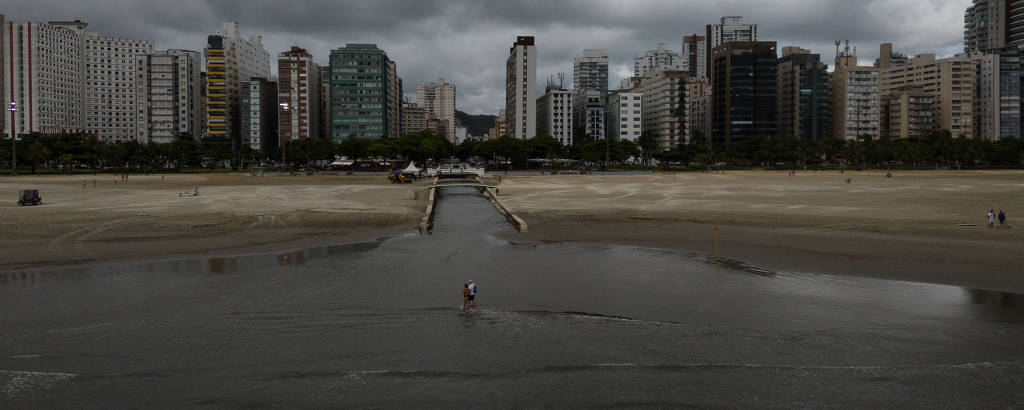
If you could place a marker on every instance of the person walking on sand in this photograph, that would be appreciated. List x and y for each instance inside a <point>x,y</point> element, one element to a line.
<point>1002,219</point>
<point>991,218</point>
<point>465,296</point>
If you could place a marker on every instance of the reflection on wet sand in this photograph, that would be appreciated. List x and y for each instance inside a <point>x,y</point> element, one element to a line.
<point>1005,300</point>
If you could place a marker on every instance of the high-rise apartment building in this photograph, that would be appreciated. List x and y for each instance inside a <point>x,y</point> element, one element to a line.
<point>729,29</point>
<point>230,59</point>
<point>45,76</point>
<point>624,113</point>
<point>950,81</point>
<point>169,100</point>
<point>993,24</point>
<point>555,114</point>
<point>695,55</point>
<point>395,92</point>
<point>3,73</point>
<point>258,112</point>
<point>698,98</point>
<point>907,112</point>
<point>889,59</point>
<point>997,96</point>
<point>111,85</point>
<point>325,101</point>
<point>590,72</point>
<point>745,83</point>
<point>298,88</point>
<point>499,129</point>
<point>438,99</point>
<point>521,89</point>
<point>855,99</point>
<point>804,93</point>
<point>659,58</point>
<point>414,118</point>
<point>590,84</point>
<point>362,93</point>
<point>664,108</point>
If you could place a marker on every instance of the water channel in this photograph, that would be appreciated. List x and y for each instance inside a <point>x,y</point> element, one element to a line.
<point>378,325</point>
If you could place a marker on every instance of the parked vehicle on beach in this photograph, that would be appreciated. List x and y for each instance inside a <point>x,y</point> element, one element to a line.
<point>29,197</point>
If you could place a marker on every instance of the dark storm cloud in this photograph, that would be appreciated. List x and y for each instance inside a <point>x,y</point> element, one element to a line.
<point>467,42</point>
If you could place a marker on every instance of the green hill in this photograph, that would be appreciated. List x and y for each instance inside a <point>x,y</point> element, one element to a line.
<point>477,125</point>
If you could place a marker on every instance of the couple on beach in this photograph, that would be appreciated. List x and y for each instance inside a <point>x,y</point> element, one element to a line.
<point>468,295</point>
<point>992,217</point>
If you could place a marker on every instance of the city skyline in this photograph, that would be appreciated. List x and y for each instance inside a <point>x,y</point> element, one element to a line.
<point>466,43</point>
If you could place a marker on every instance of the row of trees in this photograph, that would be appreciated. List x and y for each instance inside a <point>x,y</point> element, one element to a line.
<point>69,151</point>
<point>938,147</point>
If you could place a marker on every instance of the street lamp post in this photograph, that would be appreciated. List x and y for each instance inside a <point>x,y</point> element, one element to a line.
<point>14,156</point>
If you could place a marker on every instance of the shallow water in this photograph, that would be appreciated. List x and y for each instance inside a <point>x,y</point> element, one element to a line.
<point>378,325</point>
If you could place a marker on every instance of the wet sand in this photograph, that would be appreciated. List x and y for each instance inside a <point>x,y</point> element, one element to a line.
<point>904,227</point>
<point>103,222</point>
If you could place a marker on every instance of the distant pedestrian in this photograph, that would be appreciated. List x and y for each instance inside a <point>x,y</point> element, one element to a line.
<point>1002,219</point>
<point>84,185</point>
<point>991,218</point>
<point>465,296</point>
<point>472,293</point>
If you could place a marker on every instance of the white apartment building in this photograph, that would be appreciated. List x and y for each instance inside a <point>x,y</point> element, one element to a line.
<point>659,58</point>
<point>554,114</point>
<point>438,99</point>
<point>44,76</point>
<point>624,115</point>
<point>729,29</point>
<point>111,85</point>
<point>664,107</point>
<point>521,89</point>
<point>169,95</point>
<point>461,133</point>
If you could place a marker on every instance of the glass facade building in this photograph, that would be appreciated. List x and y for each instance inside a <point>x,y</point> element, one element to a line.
<point>745,98</point>
<point>804,96</point>
<point>360,95</point>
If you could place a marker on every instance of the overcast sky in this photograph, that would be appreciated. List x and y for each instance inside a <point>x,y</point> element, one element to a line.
<point>467,42</point>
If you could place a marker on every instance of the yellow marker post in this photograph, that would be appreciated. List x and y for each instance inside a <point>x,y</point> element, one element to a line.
<point>716,241</point>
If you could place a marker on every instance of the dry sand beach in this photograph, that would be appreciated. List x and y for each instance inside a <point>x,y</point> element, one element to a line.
<point>903,227</point>
<point>103,222</point>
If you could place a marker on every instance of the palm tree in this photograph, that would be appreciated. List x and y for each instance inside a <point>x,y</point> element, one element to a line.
<point>648,142</point>
<point>66,160</point>
<point>37,154</point>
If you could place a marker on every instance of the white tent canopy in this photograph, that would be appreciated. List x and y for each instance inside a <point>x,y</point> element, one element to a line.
<point>411,168</point>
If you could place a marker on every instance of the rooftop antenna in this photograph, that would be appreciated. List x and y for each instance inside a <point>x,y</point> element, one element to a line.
<point>561,80</point>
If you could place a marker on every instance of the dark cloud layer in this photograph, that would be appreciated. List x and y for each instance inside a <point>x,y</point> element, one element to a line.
<point>466,42</point>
